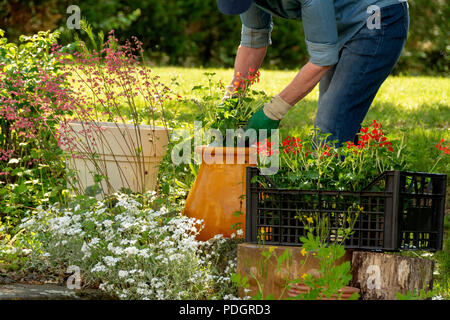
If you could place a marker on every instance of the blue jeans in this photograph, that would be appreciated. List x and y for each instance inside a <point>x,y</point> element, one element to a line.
<point>348,89</point>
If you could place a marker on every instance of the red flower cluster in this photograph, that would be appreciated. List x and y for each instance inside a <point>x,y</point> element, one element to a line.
<point>243,83</point>
<point>253,76</point>
<point>292,145</point>
<point>371,136</point>
<point>444,148</point>
<point>326,153</point>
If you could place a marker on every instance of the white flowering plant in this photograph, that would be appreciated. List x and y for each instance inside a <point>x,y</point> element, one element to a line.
<point>131,247</point>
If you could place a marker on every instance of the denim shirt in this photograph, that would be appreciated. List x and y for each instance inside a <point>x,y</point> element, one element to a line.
<point>327,24</point>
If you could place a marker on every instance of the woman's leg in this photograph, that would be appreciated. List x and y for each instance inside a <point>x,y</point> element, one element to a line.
<point>347,91</point>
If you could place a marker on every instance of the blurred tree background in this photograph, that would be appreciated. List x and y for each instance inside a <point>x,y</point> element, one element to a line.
<point>195,33</point>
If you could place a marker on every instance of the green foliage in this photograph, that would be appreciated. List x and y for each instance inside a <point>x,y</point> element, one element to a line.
<point>332,276</point>
<point>194,32</point>
<point>412,295</point>
<point>426,50</point>
<point>442,258</point>
<point>232,113</point>
<point>175,180</point>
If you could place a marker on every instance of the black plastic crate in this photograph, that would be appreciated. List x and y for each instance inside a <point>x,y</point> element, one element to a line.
<point>402,211</point>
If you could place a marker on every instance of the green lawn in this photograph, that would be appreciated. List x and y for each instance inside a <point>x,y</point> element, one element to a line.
<point>417,108</point>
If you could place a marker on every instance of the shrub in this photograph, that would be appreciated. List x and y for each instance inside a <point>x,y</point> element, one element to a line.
<point>33,98</point>
<point>194,32</point>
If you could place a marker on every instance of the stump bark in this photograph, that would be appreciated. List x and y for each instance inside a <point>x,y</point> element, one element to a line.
<point>381,276</point>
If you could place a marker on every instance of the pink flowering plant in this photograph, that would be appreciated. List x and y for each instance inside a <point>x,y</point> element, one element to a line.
<point>43,88</point>
<point>113,85</point>
<point>33,97</point>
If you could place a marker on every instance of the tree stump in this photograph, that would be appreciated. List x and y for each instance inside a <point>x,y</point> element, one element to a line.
<point>381,276</point>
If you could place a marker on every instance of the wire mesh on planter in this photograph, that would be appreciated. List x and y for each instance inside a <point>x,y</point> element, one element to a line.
<point>400,211</point>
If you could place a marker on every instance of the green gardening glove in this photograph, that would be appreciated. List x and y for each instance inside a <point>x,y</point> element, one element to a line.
<point>258,121</point>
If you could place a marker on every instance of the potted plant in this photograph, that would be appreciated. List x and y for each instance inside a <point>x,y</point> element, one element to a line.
<point>218,193</point>
<point>114,155</point>
<point>117,135</point>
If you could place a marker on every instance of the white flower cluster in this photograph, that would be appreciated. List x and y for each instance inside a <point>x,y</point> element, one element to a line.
<point>134,250</point>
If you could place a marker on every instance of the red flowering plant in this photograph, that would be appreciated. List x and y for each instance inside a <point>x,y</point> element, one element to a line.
<point>316,163</point>
<point>370,156</point>
<point>444,147</point>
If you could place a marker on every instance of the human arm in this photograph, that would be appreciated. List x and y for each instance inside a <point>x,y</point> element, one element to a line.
<point>321,38</point>
<point>303,83</point>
